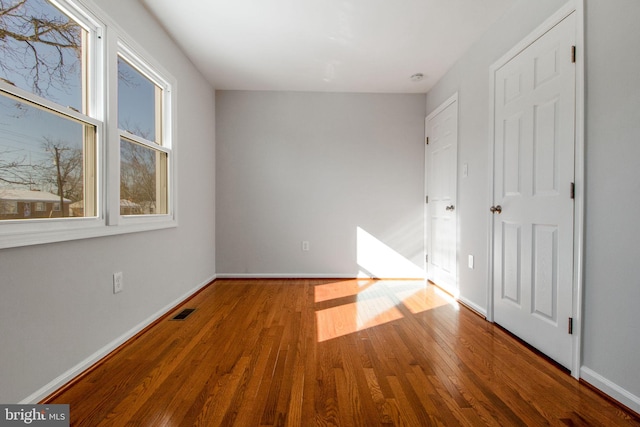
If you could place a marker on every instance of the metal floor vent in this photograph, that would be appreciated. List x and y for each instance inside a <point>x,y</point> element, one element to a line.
<point>183,314</point>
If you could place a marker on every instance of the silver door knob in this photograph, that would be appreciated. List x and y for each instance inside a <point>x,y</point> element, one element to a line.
<point>450,208</point>
<point>495,209</point>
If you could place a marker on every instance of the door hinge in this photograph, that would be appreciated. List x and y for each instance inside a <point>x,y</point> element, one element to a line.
<point>573,190</point>
<point>426,140</point>
<point>573,54</point>
<point>570,325</point>
<point>426,199</point>
<point>426,258</point>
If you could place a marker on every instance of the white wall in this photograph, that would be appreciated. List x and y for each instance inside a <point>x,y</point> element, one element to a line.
<point>57,309</point>
<point>611,347</point>
<point>295,166</point>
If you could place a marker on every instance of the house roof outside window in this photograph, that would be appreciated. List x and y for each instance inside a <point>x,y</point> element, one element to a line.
<point>29,196</point>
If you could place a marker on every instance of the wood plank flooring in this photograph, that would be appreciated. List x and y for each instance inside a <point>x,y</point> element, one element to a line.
<point>331,353</point>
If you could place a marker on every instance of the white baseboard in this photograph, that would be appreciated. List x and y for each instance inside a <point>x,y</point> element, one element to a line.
<point>284,276</point>
<point>473,306</point>
<point>306,276</point>
<point>455,293</point>
<point>67,376</point>
<point>623,396</point>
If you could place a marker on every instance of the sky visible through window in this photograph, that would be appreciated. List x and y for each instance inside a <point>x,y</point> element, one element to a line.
<point>25,130</point>
<point>136,102</point>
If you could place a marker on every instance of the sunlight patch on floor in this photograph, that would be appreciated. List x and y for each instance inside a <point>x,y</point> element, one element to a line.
<point>446,297</point>
<point>349,318</point>
<point>344,288</point>
<point>371,302</point>
<point>374,302</point>
<point>417,297</point>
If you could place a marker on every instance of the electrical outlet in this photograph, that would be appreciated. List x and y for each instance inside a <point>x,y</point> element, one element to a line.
<point>305,245</point>
<point>117,282</point>
<point>471,262</point>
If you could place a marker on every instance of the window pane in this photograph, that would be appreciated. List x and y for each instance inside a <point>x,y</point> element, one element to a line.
<point>143,173</point>
<point>8,207</point>
<point>41,51</point>
<point>137,103</point>
<point>43,156</point>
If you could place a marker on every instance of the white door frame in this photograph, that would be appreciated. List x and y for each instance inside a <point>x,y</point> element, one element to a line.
<point>452,99</point>
<point>573,6</point>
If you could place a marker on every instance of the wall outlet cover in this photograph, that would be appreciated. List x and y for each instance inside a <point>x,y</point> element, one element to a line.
<point>117,282</point>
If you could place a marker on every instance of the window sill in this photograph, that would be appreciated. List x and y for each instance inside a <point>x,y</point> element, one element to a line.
<point>81,228</point>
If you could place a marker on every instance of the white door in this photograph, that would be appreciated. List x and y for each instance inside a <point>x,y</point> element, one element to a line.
<point>441,172</point>
<point>534,116</point>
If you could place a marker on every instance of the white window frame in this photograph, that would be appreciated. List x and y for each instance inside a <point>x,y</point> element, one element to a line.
<point>35,231</point>
<point>162,79</point>
<point>105,42</point>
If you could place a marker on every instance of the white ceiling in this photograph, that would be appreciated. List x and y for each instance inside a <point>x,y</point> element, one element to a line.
<point>326,45</point>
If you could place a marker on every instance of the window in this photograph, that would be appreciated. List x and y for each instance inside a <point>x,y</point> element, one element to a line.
<point>144,148</point>
<point>47,136</point>
<point>59,173</point>
<point>8,207</point>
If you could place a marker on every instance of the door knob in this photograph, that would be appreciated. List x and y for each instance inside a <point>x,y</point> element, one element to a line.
<point>450,208</point>
<point>495,209</point>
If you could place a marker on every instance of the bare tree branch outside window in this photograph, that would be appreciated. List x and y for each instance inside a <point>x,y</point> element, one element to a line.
<point>64,171</point>
<point>138,175</point>
<point>40,47</point>
<point>15,170</point>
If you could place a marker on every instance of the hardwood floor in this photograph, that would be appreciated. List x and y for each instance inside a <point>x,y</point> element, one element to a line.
<point>330,353</point>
